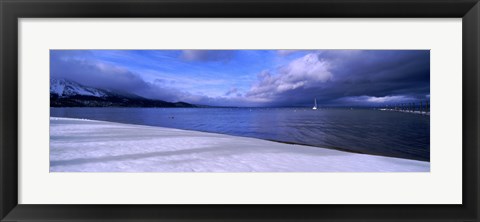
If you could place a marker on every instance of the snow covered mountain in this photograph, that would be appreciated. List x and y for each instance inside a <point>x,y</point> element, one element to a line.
<point>65,93</point>
<point>65,88</point>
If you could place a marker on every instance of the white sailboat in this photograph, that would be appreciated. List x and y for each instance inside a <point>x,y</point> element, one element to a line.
<point>315,107</point>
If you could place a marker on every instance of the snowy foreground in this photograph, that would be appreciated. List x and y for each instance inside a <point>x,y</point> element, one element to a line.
<point>97,146</point>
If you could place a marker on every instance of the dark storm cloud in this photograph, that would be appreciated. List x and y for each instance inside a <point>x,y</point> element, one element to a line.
<point>348,77</point>
<point>91,73</point>
<point>71,66</point>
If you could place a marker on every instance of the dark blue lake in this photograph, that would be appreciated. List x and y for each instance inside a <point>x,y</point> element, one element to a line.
<point>404,135</point>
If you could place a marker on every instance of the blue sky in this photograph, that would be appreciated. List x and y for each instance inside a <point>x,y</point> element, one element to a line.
<point>253,77</point>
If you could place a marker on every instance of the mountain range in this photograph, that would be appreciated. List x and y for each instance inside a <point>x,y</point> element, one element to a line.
<point>66,93</point>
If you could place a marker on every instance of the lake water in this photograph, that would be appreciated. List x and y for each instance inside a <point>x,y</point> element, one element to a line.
<point>388,133</point>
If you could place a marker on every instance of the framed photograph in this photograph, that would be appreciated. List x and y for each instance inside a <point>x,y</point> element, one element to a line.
<point>225,110</point>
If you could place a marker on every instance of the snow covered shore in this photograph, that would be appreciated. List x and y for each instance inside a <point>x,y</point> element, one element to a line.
<point>98,146</point>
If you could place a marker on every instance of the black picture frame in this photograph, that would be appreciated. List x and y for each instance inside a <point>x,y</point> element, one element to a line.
<point>11,11</point>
